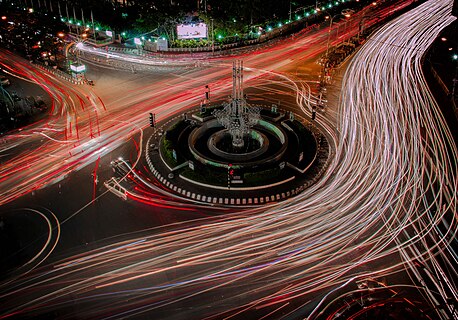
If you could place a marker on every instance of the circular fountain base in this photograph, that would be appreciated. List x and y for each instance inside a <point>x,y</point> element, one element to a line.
<point>279,155</point>
<point>254,145</point>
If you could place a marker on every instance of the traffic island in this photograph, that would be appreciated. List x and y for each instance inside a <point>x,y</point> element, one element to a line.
<point>236,153</point>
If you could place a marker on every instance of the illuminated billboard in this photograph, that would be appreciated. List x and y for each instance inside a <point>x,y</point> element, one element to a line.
<point>78,68</point>
<point>192,31</point>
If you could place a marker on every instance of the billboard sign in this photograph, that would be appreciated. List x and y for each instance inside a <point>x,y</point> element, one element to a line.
<point>192,31</point>
<point>78,68</point>
<point>162,44</point>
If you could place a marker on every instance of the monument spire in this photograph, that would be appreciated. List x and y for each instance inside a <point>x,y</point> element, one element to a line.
<point>236,116</point>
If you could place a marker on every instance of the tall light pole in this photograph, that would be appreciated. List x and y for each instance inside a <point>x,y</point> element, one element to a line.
<point>289,10</point>
<point>361,26</point>
<point>455,80</point>
<point>213,38</point>
<point>346,15</point>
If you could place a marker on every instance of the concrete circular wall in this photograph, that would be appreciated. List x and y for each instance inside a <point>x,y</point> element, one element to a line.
<point>238,160</point>
<point>242,156</point>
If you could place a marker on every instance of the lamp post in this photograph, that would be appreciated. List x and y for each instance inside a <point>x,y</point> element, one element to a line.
<point>346,15</point>
<point>455,80</point>
<point>289,10</point>
<point>213,38</point>
<point>361,25</point>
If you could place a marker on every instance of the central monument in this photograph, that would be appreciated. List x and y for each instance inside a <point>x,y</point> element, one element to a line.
<point>235,152</point>
<point>236,116</point>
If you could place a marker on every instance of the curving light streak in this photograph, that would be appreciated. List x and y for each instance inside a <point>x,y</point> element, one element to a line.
<point>379,210</point>
<point>89,115</point>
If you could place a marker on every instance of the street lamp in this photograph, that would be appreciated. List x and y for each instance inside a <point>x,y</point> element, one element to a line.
<point>289,10</point>
<point>455,80</point>
<point>346,15</point>
<point>213,37</point>
<point>361,23</point>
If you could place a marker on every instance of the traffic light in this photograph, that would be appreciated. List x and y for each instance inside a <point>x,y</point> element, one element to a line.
<point>207,93</point>
<point>152,120</point>
<point>230,174</point>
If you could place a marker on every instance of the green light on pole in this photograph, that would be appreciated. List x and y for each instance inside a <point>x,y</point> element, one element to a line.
<point>269,28</point>
<point>279,24</point>
<point>298,18</point>
<point>330,5</point>
<point>220,36</point>
<point>97,28</point>
<point>123,34</point>
<point>308,14</point>
<point>78,23</point>
<point>455,57</point>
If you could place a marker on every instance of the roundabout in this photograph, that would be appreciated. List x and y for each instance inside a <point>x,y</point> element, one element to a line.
<point>237,153</point>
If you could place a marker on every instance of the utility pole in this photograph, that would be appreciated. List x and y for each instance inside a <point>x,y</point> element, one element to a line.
<point>289,10</point>
<point>213,38</point>
<point>207,93</point>
<point>455,80</point>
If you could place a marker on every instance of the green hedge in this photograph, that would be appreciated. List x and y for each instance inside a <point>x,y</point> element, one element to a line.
<point>190,43</point>
<point>206,175</point>
<point>167,152</point>
<point>174,131</point>
<point>169,142</point>
<point>260,176</point>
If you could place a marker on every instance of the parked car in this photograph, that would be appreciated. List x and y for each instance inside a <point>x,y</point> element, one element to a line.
<point>4,81</point>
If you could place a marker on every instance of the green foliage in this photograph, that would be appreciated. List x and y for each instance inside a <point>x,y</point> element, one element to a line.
<point>191,43</point>
<point>208,175</point>
<point>306,139</point>
<point>261,176</point>
<point>167,147</point>
<point>175,130</point>
<point>169,143</point>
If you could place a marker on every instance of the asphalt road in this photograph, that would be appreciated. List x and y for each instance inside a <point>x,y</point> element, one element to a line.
<point>278,261</point>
